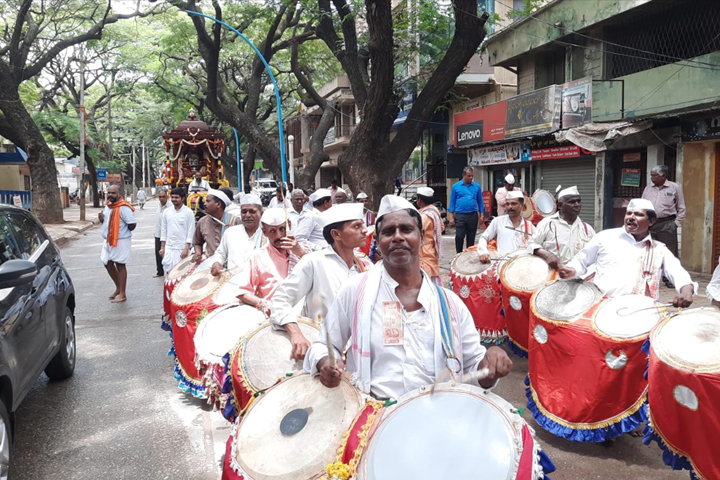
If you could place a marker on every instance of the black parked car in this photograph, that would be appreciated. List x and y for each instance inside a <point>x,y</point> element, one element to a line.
<point>37,322</point>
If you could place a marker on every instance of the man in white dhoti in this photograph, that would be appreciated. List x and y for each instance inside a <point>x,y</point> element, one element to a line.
<point>178,229</point>
<point>629,261</point>
<point>118,223</point>
<point>393,316</point>
<point>318,275</point>
<point>560,236</point>
<point>511,231</point>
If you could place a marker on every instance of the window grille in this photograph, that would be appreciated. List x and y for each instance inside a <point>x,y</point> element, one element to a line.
<point>653,37</point>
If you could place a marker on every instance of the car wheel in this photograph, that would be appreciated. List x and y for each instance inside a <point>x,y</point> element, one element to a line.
<point>5,443</point>
<point>63,363</point>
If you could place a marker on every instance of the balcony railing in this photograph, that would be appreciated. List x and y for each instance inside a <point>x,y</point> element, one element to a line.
<point>8,197</point>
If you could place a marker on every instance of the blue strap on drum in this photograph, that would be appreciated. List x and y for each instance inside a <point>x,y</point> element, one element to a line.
<point>448,339</point>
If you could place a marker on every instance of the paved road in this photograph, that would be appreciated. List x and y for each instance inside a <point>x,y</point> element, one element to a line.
<point>121,415</point>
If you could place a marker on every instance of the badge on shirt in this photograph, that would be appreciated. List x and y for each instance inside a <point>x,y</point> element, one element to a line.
<point>392,323</point>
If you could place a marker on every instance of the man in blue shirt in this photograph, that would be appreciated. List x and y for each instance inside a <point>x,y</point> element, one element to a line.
<point>466,203</point>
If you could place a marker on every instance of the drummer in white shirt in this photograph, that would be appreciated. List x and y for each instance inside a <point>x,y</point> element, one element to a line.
<point>511,231</point>
<point>713,288</point>
<point>392,317</point>
<point>238,242</point>
<point>308,230</point>
<point>318,275</point>
<point>177,230</point>
<point>628,261</point>
<point>560,236</point>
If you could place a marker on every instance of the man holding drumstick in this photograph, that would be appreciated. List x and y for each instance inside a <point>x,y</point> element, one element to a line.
<point>629,261</point>
<point>511,231</point>
<point>392,317</point>
<point>560,236</point>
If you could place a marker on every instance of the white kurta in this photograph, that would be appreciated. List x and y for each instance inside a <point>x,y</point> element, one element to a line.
<point>310,231</point>
<point>508,240</point>
<point>713,288</point>
<point>553,232</point>
<point>322,272</point>
<point>275,203</point>
<point>235,249</point>
<point>617,257</point>
<point>178,228</point>
<point>397,369</point>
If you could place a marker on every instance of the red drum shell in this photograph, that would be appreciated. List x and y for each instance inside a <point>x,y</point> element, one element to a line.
<point>687,432</point>
<point>481,294</point>
<point>571,378</point>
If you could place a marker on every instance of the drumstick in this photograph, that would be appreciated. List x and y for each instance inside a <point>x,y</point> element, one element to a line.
<point>475,376</point>
<point>519,231</point>
<point>659,305</point>
<point>331,350</point>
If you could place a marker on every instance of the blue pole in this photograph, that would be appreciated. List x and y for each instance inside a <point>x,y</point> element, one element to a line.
<point>241,180</point>
<point>272,78</point>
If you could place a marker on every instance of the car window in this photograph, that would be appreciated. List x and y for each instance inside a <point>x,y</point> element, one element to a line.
<point>26,233</point>
<point>8,246</point>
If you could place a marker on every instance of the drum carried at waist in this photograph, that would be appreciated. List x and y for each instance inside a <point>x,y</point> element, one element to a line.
<point>215,337</point>
<point>478,286</point>
<point>293,431</point>
<point>684,385</point>
<point>520,277</point>
<point>455,432</point>
<point>191,301</point>
<point>258,361</point>
<point>586,372</point>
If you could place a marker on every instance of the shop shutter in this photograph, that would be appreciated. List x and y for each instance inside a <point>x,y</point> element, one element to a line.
<point>580,172</point>
<point>716,223</point>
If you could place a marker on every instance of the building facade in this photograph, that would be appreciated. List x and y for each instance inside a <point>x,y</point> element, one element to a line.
<point>606,91</point>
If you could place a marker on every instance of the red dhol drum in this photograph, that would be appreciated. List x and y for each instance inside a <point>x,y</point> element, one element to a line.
<point>259,361</point>
<point>293,431</point>
<point>216,335</point>
<point>520,277</point>
<point>191,302</point>
<point>180,271</point>
<point>684,387</point>
<point>586,372</point>
<point>478,286</point>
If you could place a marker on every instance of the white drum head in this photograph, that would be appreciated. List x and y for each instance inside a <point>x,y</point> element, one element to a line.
<point>181,269</point>
<point>526,273</point>
<point>266,354</point>
<point>566,300</point>
<point>452,433</point>
<point>468,264</point>
<point>627,316</point>
<point>205,265</point>
<point>264,452</point>
<point>228,293</point>
<point>690,340</point>
<point>544,202</point>
<point>195,287</point>
<point>528,209</point>
<point>220,331</point>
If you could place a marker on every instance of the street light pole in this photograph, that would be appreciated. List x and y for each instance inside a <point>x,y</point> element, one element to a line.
<point>143,167</point>
<point>82,133</point>
<point>132,148</point>
<point>291,141</point>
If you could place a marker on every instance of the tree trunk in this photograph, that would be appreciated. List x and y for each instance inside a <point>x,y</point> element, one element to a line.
<point>92,172</point>
<point>41,161</point>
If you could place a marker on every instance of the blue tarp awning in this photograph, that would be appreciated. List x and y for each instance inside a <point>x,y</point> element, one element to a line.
<point>19,157</point>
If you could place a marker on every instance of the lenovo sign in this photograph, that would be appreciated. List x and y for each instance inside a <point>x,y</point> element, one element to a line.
<point>469,134</point>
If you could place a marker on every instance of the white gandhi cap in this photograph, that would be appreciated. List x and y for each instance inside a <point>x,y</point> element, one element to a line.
<point>344,212</point>
<point>567,192</point>
<point>640,204</point>
<point>510,178</point>
<point>426,191</point>
<point>393,203</point>
<point>273,216</point>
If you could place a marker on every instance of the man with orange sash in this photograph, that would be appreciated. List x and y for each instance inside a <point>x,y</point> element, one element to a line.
<point>118,223</point>
<point>318,275</point>
<point>433,227</point>
<point>629,261</point>
<point>271,264</point>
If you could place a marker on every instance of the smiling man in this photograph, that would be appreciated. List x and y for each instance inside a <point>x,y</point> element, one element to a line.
<point>559,237</point>
<point>511,231</point>
<point>392,317</point>
<point>629,261</point>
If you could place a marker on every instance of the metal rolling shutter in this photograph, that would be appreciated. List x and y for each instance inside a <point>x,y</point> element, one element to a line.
<point>569,172</point>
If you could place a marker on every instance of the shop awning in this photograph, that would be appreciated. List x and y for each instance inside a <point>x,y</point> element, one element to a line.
<point>596,137</point>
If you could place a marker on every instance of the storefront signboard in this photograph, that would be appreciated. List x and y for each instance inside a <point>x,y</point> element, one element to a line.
<point>630,177</point>
<point>499,154</point>
<point>534,113</point>
<point>577,102</point>
<point>485,124</point>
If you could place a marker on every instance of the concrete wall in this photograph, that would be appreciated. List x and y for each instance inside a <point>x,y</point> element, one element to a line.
<point>659,90</point>
<point>698,183</point>
<point>526,75</point>
<point>11,178</point>
<point>531,33</point>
